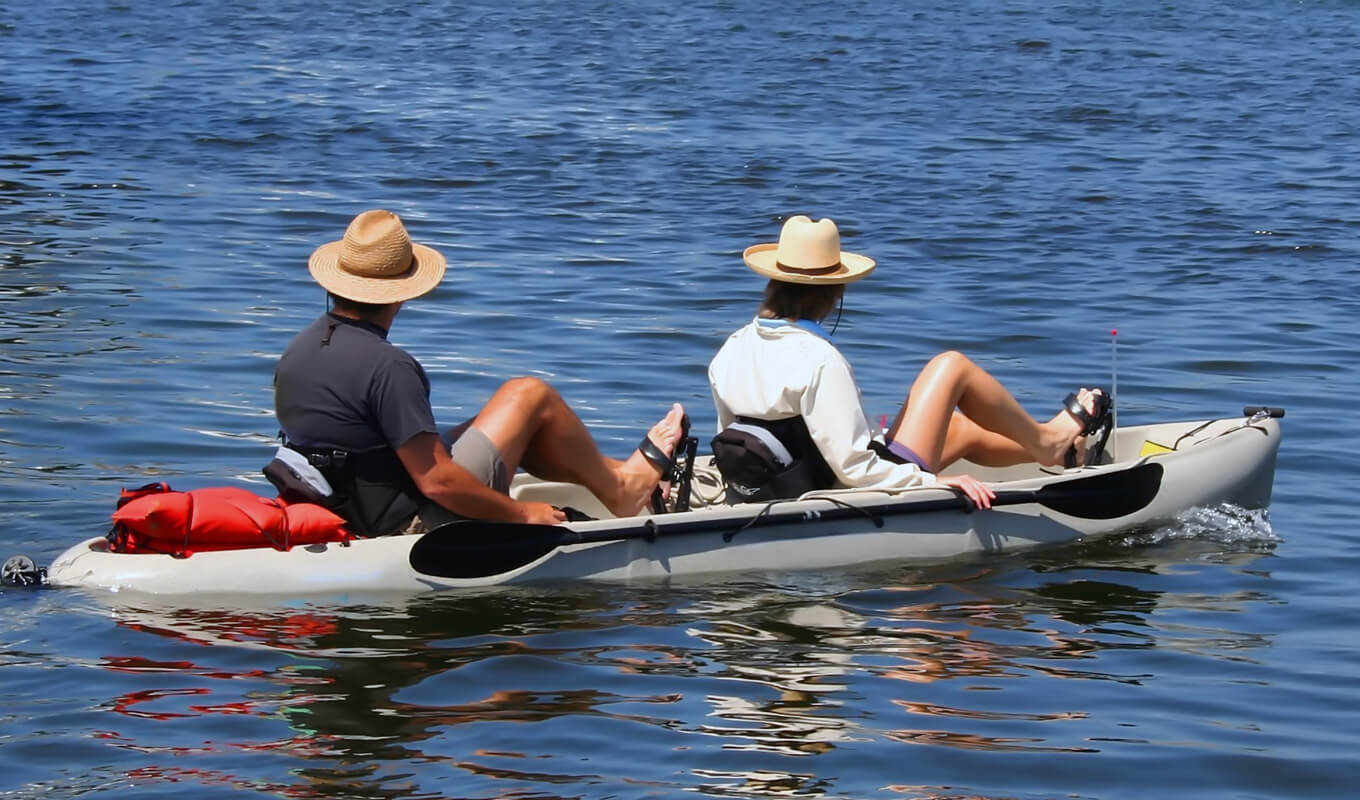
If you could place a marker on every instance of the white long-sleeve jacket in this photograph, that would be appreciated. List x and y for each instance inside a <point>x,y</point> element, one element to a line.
<point>771,369</point>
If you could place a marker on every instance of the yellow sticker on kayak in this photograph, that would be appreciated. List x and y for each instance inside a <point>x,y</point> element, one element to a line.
<point>1151,448</point>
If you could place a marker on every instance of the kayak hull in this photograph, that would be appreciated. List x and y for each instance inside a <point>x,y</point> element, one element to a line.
<point>1198,463</point>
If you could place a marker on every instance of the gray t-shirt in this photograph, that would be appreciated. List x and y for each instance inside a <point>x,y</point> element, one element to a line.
<point>340,384</point>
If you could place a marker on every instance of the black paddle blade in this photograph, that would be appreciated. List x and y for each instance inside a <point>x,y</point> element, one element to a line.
<point>1104,495</point>
<point>473,549</point>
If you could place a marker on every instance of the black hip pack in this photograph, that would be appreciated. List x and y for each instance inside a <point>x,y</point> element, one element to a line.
<point>370,489</point>
<point>762,460</point>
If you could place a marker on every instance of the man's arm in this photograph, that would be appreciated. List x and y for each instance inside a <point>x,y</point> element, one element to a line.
<point>427,461</point>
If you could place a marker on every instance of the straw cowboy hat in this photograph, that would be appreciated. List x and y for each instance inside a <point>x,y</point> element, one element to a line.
<point>376,262</point>
<point>807,252</point>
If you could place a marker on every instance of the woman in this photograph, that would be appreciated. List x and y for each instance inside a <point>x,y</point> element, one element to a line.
<point>782,366</point>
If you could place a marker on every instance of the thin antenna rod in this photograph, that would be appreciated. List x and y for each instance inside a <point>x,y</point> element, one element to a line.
<point>1114,394</point>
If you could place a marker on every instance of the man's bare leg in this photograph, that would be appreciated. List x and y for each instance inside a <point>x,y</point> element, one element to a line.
<point>533,427</point>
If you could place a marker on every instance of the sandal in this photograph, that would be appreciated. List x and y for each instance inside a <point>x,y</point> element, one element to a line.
<point>674,469</point>
<point>1099,421</point>
<point>663,463</point>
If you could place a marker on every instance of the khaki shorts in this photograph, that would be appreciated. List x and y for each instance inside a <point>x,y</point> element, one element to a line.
<point>475,453</point>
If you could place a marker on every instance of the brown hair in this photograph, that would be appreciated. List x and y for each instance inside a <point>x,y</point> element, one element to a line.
<point>800,300</point>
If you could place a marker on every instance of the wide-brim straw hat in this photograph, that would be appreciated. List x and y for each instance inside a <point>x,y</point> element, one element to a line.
<point>376,262</point>
<point>807,252</point>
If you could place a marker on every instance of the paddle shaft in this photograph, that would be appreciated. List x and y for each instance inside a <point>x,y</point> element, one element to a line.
<point>1081,499</point>
<point>1103,495</point>
<point>473,549</point>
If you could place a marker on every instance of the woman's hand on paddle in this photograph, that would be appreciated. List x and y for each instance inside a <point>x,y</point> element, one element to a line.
<point>542,513</point>
<point>971,487</point>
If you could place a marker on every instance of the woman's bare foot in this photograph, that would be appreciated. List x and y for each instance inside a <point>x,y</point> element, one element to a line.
<point>637,476</point>
<point>1064,431</point>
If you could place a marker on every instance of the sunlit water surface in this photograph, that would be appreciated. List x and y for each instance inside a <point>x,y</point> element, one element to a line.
<point>1029,177</point>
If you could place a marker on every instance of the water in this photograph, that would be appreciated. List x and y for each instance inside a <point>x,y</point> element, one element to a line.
<point>1028,176</point>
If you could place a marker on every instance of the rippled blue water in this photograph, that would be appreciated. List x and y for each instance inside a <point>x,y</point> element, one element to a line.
<point>1029,176</point>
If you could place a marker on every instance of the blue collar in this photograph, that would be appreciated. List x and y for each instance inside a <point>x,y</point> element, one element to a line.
<point>806,324</point>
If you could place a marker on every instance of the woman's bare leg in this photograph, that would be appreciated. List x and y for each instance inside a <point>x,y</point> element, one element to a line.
<point>532,426</point>
<point>968,440</point>
<point>1001,431</point>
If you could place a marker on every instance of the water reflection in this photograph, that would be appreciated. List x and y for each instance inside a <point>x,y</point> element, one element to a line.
<point>349,689</point>
<point>1004,655</point>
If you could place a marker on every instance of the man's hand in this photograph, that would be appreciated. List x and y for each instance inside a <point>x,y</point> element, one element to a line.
<point>439,478</point>
<point>542,513</point>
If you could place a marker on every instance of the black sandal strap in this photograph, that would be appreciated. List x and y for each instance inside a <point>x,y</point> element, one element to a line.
<point>1091,421</point>
<point>654,456</point>
<point>1074,407</point>
<point>1098,420</point>
<point>665,464</point>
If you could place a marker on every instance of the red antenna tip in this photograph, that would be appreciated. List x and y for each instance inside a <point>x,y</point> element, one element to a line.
<point>1114,332</point>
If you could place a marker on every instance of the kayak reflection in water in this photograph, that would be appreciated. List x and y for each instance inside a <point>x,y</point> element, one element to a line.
<point>357,408</point>
<point>780,382</point>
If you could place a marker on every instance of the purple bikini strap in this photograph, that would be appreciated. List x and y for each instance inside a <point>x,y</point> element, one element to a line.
<point>902,451</point>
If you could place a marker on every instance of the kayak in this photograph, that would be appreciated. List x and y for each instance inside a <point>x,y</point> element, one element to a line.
<point>1149,475</point>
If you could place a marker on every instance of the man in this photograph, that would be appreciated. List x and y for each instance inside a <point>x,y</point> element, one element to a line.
<point>358,408</point>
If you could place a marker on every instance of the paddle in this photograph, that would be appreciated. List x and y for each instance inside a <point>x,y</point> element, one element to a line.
<point>476,549</point>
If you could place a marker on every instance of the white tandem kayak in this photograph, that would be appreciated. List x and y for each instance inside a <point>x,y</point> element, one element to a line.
<point>1157,472</point>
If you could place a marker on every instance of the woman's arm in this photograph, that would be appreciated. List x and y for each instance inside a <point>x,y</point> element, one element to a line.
<point>834,413</point>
